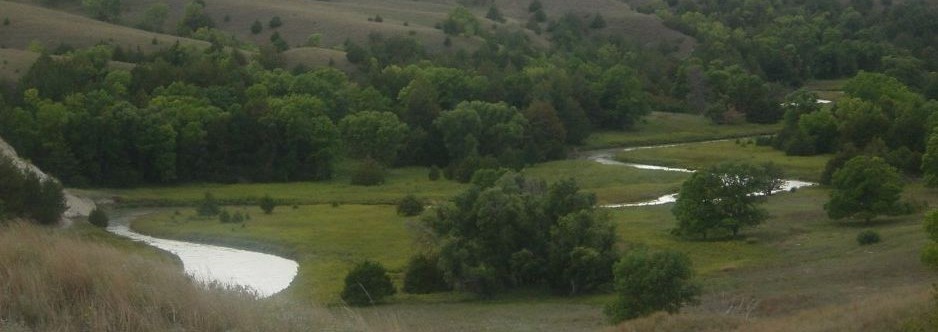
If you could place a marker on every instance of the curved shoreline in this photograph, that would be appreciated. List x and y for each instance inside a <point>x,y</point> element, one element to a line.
<point>264,274</point>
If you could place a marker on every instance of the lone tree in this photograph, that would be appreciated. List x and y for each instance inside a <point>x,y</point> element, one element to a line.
<point>267,204</point>
<point>864,188</point>
<point>367,284</point>
<point>645,283</point>
<point>409,206</point>
<point>98,218</point>
<point>725,198</point>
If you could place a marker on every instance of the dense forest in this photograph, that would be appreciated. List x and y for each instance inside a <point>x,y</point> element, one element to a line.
<point>225,114</point>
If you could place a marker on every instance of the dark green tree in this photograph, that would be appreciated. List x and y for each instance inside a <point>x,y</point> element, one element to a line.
<point>104,10</point>
<point>275,22</point>
<point>649,282</point>
<point>721,198</point>
<point>423,275</point>
<point>864,188</point>
<point>98,218</point>
<point>267,204</point>
<point>410,206</point>
<point>256,27</point>
<point>367,284</point>
<point>377,135</point>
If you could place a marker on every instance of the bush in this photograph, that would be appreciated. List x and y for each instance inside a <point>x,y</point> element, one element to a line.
<point>208,207</point>
<point>257,27</point>
<point>868,237</point>
<point>368,173</point>
<point>646,283</point>
<point>423,276</point>
<point>98,218</point>
<point>275,22</point>
<point>434,173</point>
<point>367,284</point>
<point>267,204</point>
<point>224,217</point>
<point>409,206</point>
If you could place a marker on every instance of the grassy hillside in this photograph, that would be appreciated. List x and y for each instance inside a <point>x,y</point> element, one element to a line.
<point>14,63</point>
<point>57,282</point>
<point>29,23</point>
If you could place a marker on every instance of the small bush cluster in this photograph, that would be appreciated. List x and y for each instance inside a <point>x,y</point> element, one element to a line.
<point>868,237</point>
<point>233,218</point>
<point>423,276</point>
<point>367,284</point>
<point>268,204</point>
<point>98,218</point>
<point>409,206</point>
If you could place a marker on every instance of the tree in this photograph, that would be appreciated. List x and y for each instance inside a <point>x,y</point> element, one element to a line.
<point>535,6</point>
<point>104,10</point>
<point>722,198</point>
<point>267,204</point>
<point>645,283</point>
<point>194,18</point>
<point>423,275</point>
<point>864,188</point>
<point>98,218</point>
<point>367,284</point>
<point>208,207</point>
<point>930,161</point>
<point>154,18</point>
<point>409,206</point>
<point>461,22</point>
<point>256,27</point>
<point>275,22</point>
<point>377,135</point>
<point>545,134</point>
<point>598,22</point>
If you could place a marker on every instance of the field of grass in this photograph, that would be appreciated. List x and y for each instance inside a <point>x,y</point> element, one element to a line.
<point>14,63</point>
<point>706,154</point>
<point>56,282</point>
<point>611,184</point>
<point>662,128</point>
<point>827,89</point>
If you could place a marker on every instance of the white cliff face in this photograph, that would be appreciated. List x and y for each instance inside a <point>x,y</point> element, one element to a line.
<point>77,206</point>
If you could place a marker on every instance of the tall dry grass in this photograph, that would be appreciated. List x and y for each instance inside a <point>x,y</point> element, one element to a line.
<point>54,282</point>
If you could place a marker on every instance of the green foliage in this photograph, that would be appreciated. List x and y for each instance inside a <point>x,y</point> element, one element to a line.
<point>461,22</point>
<point>598,22</point>
<point>515,233</point>
<point>376,135</point>
<point>423,275</point>
<point>410,206</point>
<point>224,217</point>
<point>649,282</point>
<point>434,173</point>
<point>98,218</point>
<point>367,284</point>
<point>194,18</point>
<point>105,10</point>
<point>535,5</point>
<point>275,22</point>
<point>868,237</point>
<point>209,206</point>
<point>369,172</point>
<point>930,161</point>
<point>256,27</point>
<point>494,14</point>
<point>6,21</point>
<point>864,188</point>
<point>267,204</point>
<point>154,17</point>
<point>930,252</point>
<point>278,42</point>
<point>721,198</point>
<point>25,195</point>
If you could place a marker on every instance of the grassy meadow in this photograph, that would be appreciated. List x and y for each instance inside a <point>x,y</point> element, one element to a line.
<point>662,128</point>
<point>706,154</point>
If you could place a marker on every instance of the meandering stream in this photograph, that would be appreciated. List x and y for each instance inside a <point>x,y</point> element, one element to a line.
<point>265,274</point>
<point>605,157</point>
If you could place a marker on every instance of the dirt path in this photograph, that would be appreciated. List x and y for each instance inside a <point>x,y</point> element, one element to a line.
<point>77,206</point>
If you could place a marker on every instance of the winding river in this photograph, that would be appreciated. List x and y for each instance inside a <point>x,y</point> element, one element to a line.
<point>263,273</point>
<point>606,157</point>
<point>268,274</point>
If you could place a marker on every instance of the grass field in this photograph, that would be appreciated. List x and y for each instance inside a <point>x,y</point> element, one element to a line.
<point>661,128</point>
<point>612,184</point>
<point>14,63</point>
<point>827,89</point>
<point>706,154</point>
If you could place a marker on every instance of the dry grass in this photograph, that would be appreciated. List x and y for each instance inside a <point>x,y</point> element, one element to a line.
<point>30,23</point>
<point>15,63</point>
<point>57,282</point>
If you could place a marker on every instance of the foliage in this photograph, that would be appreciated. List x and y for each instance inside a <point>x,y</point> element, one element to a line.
<point>367,284</point>
<point>520,232</point>
<point>194,18</point>
<point>930,252</point>
<point>494,14</point>
<point>369,172</point>
<point>423,275</point>
<point>375,135</point>
<point>209,206</point>
<point>105,10</point>
<point>461,22</point>
<point>154,17</point>
<point>648,282</point>
<point>98,218</point>
<point>26,195</point>
<point>722,198</point>
<point>275,22</point>
<point>410,206</point>
<point>868,237</point>
<point>598,22</point>
<point>256,27</point>
<point>434,173</point>
<point>267,204</point>
<point>864,188</point>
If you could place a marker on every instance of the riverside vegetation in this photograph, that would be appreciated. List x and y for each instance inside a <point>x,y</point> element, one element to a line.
<point>435,105</point>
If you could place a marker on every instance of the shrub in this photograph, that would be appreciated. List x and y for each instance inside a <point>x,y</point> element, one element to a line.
<point>409,206</point>
<point>423,276</point>
<point>434,173</point>
<point>379,19</point>
<point>98,218</point>
<point>367,284</point>
<point>368,173</point>
<point>267,204</point>
<point>6,21</point>
<point>208,207</point>
<point>868,237</point>
<point>645,283</point>
<point>224,217</point>
<point>275,22</point>
<point>257,27</point>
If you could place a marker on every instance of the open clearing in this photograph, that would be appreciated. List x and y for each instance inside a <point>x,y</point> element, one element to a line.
<point>662,128</point>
